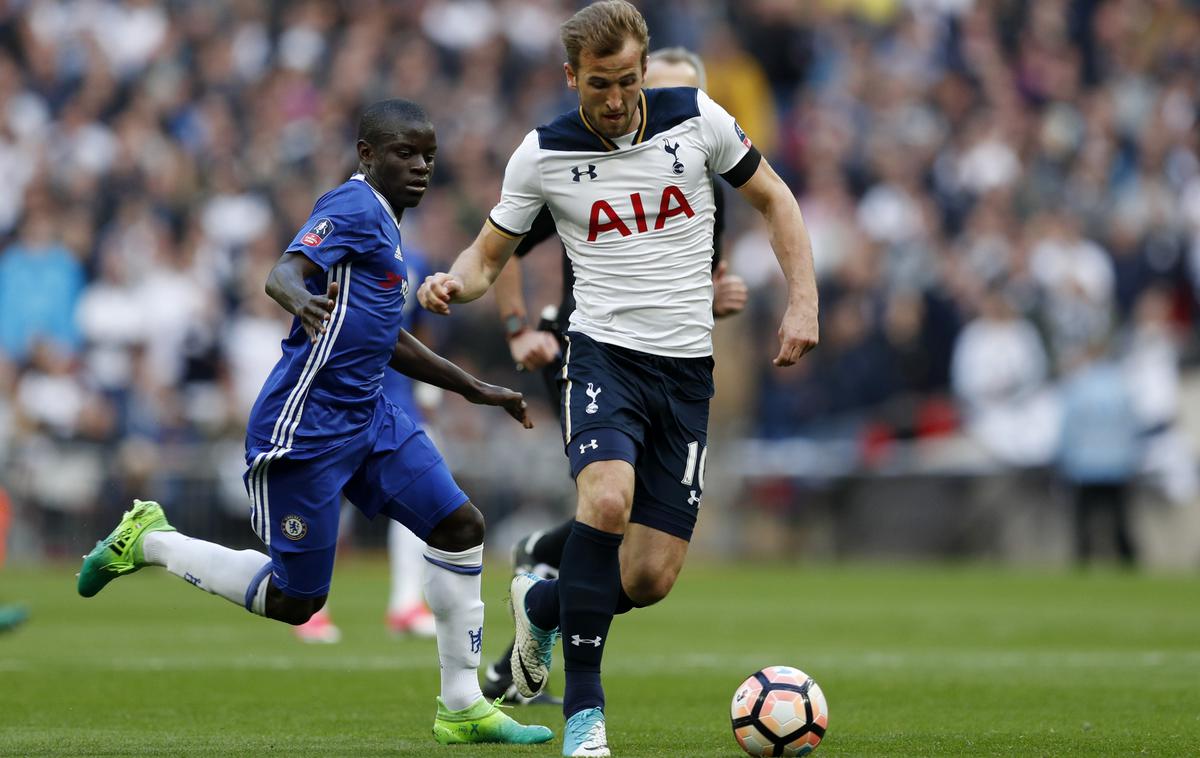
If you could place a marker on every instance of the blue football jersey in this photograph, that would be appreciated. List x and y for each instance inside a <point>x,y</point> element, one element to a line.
<point>320,393</point>
<point>397,387</point>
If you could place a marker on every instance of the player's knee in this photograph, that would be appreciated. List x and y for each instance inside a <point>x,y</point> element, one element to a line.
<point>461,530</point>
<point>293,610</point>
<point>605,511</point>
<point>648,587</point>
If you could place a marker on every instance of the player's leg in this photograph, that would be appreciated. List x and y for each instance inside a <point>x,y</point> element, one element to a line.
<point>145,538</point>
<point>670,484</point>
<point>527,558</point>
<point>320,628</point>
<point>605,492</point>
<point>407,480</point>
<point>454,565</point>
<point>541,552</point>
<point>588,592</point>
<point>605,397</point>
<point>453,558</point>
<point>590,578</point>
<point>650,563</point>
<point>296,506</point>
<point>407,612</point>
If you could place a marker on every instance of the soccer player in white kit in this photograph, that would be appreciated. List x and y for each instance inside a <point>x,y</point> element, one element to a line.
<point>626,177</point>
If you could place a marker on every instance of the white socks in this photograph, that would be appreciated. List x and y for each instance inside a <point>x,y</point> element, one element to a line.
<point>211,567</point>
<point>451,584</point>
<point>452,587</point>
<point>405,557</point>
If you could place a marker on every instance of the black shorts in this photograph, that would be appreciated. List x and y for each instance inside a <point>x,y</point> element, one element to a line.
<point>649,410</point>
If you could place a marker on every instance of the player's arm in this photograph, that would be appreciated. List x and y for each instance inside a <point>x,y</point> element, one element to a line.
<point>472,273</point>
<point>521,199</point>
<point>285,285</point>
<point>771,197</point>
<point>530,348</point>
<point>411,358</point>
<point>729,290</point>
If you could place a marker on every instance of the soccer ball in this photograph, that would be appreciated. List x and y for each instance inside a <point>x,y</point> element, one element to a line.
<point>779,711</point>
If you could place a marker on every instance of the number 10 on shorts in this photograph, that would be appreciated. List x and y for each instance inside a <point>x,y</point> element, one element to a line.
<point>695,453</point>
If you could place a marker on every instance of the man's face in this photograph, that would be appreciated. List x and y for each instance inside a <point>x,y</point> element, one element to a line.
<point>661,73</point>
<point>608,87</point>
<point>401,165</point>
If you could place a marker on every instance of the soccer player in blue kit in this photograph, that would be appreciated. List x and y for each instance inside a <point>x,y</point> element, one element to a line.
<point>407,613</point>
<point>322,427</point>
<point>627,179</point>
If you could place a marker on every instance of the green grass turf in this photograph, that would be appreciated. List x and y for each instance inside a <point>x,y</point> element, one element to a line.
<point>914,661</point>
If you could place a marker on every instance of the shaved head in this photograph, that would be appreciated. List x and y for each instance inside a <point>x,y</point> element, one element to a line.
<point>387,117</point>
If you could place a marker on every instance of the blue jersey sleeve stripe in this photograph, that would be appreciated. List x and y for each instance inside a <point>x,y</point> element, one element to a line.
<point>334,328</point>
<point>252,589</point>
<point>293,408</point>
<point>467,570</point>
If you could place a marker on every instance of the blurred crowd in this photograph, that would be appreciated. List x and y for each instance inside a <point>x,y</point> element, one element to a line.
<point>998,193</point>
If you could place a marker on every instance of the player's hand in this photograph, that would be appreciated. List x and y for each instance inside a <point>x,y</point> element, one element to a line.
<point>729,292</point>
<point>436,292</point>
<point>315,314</point>
<point>798,333</point>
<point>533,349</point>
<point>512,402</point>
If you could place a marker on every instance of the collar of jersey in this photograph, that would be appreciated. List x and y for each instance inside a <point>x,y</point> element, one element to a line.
<point>382,200</point>
<point>609,145</point>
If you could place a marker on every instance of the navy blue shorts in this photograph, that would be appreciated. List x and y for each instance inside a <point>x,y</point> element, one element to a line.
<point>390,467</point>
<point>649,410</point>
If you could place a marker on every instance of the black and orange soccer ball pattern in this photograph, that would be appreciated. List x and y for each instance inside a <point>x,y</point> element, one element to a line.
<point>779,711</point>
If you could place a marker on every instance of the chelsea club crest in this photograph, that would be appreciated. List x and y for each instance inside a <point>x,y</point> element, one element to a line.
<point>293,527</point>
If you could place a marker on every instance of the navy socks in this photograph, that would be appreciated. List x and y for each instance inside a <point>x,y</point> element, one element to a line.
<point>589,587</point>
<point>582,602</point>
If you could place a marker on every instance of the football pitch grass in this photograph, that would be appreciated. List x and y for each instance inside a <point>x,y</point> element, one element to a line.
<point>915,661</point>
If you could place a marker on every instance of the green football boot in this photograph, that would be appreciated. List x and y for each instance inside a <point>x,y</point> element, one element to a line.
<point>484,722</point>
<point>12,616</point>
<point>121,552</point>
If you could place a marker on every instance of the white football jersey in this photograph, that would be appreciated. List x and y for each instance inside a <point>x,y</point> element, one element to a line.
<point>635,215</point>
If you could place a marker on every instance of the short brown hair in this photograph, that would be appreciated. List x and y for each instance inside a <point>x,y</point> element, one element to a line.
<point>602,29</point>
<point>682,55</point>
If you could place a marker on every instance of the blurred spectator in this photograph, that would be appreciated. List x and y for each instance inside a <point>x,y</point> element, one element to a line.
<point>52,398</point>
<point>1078,279</point>
<point>1000,374</point>
<point>157,155</point>
<point>736,80</point>
<point>112,322</point>
<point>1099,451</point>
<point>40,282</point>
<point>1151,365</point>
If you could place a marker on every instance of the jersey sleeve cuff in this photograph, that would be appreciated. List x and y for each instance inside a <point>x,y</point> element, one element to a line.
<point>504,231</point>
<point>745,168</point>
